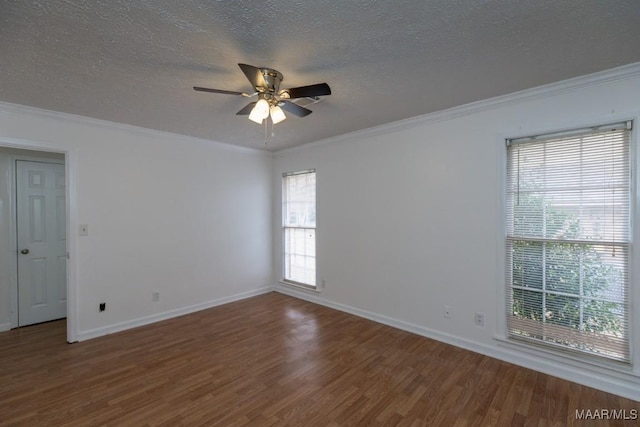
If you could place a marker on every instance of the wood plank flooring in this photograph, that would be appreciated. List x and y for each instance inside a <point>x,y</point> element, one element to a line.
<point>274,360</point>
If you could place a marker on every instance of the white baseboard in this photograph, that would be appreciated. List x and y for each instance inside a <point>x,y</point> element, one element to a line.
<point>5,327</point>
<point>611,381</point>
<point>118,327</point>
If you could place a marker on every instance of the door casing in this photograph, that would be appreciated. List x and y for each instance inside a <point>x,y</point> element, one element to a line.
<point>71,223</point>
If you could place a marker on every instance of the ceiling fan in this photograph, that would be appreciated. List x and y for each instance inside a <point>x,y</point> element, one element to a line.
<point>271,99</point>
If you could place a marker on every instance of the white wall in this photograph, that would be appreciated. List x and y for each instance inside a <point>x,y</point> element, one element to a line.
<point>187,218</point>
<point>410,217</point>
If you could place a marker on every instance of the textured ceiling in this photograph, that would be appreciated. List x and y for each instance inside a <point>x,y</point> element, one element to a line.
<point>135,62</point>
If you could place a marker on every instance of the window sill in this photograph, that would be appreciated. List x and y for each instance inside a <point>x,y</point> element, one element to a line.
<point>573,359</point>
<point>301,286</point>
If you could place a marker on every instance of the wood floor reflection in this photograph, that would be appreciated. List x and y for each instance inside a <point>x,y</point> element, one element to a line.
<point>274,360</point>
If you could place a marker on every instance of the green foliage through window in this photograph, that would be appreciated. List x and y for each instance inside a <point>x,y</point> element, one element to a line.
<point>567,242</point>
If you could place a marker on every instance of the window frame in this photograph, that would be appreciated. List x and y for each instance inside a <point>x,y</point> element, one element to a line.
<point>284,226</point>
<point>504,292</point>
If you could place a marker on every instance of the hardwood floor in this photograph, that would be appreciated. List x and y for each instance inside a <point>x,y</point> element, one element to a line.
<point>275,360</point>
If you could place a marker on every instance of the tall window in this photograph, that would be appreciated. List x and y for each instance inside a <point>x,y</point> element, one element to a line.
<point>299,224</point>
<point>568,238</point>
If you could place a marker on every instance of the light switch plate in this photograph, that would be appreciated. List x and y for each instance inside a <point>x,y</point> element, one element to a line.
<point>83,230</point>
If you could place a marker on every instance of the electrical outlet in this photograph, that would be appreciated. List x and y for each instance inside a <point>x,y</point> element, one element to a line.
<point>479,319</point>
<point>102,306</point>
<point>324,284</point>
<point>447,312</point>
<point>155,296</point>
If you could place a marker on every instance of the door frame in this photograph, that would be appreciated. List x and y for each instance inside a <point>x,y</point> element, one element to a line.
<point>71,225</point>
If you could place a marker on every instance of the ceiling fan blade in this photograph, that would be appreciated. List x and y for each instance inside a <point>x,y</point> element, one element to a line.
<point>224,92</point>
<point>246,110</point>
<point>295,109</point>
<point>320,89</point>
<point>254,74</point>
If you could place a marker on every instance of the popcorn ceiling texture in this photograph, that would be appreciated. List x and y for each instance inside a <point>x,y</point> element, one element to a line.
<point>135,62</point>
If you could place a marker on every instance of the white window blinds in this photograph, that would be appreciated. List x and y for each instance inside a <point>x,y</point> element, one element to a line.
<point>299,224</point>
<point>568,238</point>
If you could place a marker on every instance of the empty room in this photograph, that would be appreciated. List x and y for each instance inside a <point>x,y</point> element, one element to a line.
<point>327,213</point>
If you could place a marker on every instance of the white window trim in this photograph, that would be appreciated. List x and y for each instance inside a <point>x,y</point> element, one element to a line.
<point>301,286</point>
<point>283,280</point>
<point>501,332</point>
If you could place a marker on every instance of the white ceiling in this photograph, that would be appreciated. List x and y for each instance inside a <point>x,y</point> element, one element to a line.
<point>135,62</point>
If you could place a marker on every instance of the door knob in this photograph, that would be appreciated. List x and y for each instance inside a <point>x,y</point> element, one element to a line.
<point>24,251</point>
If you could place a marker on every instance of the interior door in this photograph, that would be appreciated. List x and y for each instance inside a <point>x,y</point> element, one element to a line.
<point>41,238</point>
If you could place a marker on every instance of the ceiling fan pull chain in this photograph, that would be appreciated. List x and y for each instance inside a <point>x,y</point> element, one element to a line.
<point>266,123</point>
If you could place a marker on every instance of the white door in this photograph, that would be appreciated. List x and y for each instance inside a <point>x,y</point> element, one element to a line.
<point>41,238</point>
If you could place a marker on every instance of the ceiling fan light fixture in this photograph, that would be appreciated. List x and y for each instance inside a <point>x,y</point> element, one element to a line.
<point>260,111</point>
<point>277,115</point>
<point>271,100</point>
<point>257,118</point>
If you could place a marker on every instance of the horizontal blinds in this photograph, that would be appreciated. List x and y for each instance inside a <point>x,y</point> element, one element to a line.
<point>299,200</point>
<point>573,132</point>
<point>299,222</point>
<point>568,234</point>
<point>284,174</point>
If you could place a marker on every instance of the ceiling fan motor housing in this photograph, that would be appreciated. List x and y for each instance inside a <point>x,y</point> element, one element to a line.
<point>266,82</point>
<point>272,78</point>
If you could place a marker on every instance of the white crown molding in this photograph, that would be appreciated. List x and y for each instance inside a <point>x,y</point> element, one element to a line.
<point>626,385</point>
<point>24,110</point>
<point>603,77</point>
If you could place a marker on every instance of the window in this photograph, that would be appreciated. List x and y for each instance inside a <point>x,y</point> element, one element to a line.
<point>567,240</point>
<point>299,225</point>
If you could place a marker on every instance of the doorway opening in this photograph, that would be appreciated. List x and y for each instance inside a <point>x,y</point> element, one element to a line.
<point>33,242</point>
